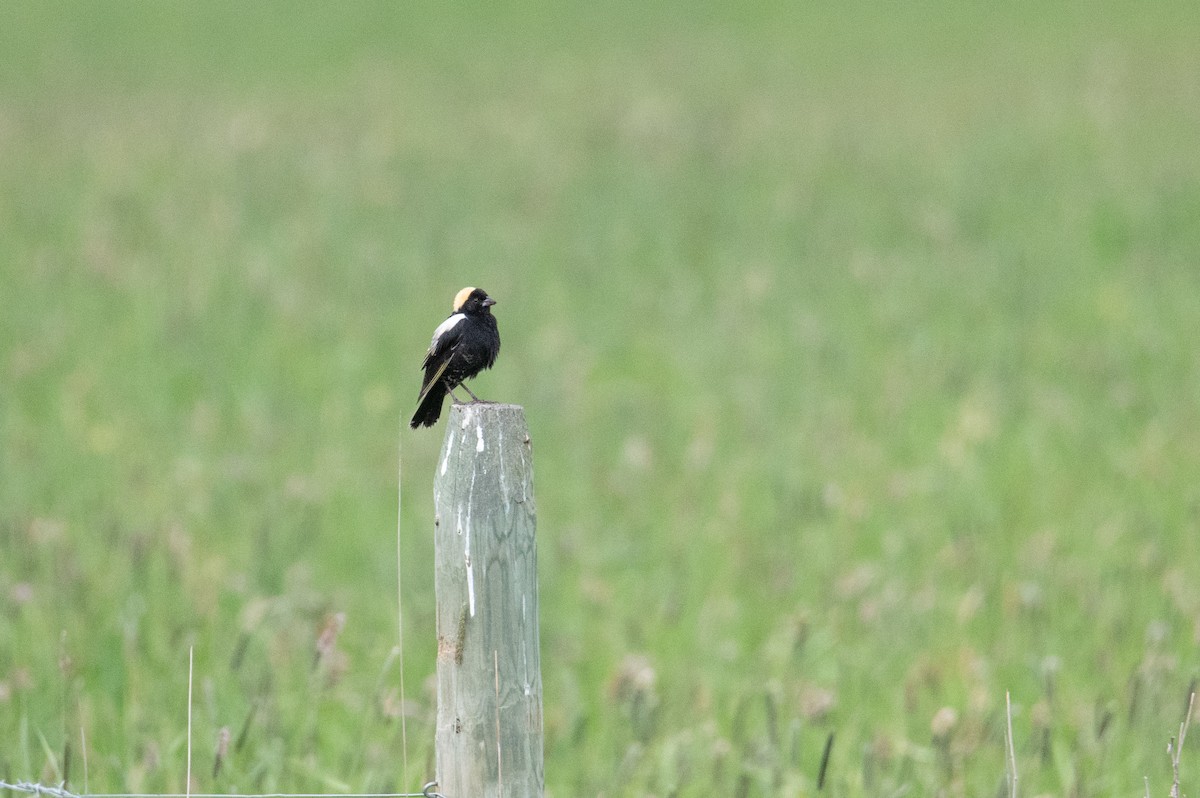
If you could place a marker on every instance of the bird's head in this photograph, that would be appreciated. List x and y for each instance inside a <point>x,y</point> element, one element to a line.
<point>472,300</point>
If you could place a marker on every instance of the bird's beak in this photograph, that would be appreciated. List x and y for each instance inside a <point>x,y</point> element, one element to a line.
<point>487,303</point>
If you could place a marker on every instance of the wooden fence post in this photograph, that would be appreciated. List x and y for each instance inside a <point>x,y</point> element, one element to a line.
<point>489,713</point>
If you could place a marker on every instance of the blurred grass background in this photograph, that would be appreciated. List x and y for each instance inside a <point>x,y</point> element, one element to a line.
<point>858,347</point>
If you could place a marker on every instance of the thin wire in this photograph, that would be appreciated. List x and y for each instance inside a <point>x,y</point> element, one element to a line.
<point>400,599</point>
<point>62,792</point>
<point>187,783</point>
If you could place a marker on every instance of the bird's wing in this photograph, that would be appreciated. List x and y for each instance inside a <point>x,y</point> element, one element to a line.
<point>432,381</point>
<point>445,338</point>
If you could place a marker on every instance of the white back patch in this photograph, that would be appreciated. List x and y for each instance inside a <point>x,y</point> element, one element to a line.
<point>446,327</point>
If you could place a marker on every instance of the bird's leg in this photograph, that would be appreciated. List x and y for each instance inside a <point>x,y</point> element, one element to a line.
<point>468,390</point>
<point>450,390</point>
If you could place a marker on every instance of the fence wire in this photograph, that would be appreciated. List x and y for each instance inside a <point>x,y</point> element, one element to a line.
<point>33,788</point>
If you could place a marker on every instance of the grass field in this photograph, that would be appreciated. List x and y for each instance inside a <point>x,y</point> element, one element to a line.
<point>858,349</point>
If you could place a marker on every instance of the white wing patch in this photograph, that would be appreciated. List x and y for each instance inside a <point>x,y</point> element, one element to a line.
<point>444,328</point>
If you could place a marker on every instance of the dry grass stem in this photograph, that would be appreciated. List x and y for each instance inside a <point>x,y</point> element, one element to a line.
<point>1175,747</point>
<point>83,752</point>
<point>1012,753</point>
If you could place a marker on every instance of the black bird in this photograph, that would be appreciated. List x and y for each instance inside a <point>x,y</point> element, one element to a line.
<point>463,345</point>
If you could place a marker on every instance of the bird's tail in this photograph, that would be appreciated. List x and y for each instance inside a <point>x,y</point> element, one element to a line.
<point>430,408</point>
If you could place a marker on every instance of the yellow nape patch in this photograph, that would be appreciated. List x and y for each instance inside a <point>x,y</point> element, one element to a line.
<point>461,297</point>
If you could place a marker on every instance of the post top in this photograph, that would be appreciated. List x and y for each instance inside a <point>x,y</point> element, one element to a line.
<point>486,415</point>
<point>474,408</point>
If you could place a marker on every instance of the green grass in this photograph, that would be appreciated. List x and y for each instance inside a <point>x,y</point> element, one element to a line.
<point>858,351</point>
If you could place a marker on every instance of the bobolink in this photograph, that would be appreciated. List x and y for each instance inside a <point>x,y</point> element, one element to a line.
<point>463,345</point>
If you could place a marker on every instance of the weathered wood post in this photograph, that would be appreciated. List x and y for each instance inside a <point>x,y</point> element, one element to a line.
<point>489,714</point>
